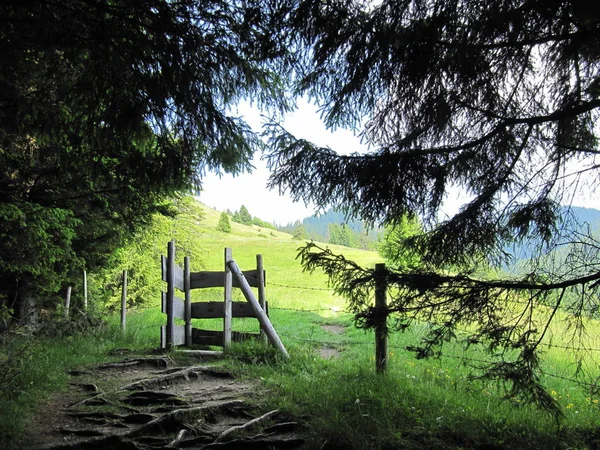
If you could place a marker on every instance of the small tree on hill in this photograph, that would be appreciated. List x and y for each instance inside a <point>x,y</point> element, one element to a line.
<point>341,235</point>
<point>299,233</point>
<point>395,245</point>
<point>224,225</point>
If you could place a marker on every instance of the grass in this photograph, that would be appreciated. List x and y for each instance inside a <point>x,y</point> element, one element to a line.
<point>416,404</point>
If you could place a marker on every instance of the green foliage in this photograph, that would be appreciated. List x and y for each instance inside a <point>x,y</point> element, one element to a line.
<point>395,246</point>
<point>242,216</point>
<point>317,228</point>
<point>261,223</point>
<point>141,256</point>
<point>224,225</point>
<point>36,245</point>
<point>110,108</point>
<point>299,233</point>
<point>341,235</point>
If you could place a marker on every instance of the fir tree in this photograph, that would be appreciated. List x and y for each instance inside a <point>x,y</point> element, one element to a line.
<point>224,225</point>
<point>499,98</point>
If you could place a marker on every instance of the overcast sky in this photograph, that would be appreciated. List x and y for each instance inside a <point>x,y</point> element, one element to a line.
<point>250,190</point>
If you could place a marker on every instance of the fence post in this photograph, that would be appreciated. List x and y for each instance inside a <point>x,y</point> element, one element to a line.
<point>124,303</point>
<point>170,330</point>
<point>381,343</point>
<point>228,300</point>
<point>67,301</point>
<point>262,300</point>
<point>85,293</point>
<point>188,301</point>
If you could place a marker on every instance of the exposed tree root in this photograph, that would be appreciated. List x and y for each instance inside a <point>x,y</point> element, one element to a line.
<point>199,410</point>
<point>158,361</point>
<point>169,422</point>
<point>180,375</point>
<point>223,436</point>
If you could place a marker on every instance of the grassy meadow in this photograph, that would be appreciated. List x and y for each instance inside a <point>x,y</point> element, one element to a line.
<point>330,380</point>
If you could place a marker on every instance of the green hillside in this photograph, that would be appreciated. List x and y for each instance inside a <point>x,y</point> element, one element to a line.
<point>196,235</point>
<point>330,382</point>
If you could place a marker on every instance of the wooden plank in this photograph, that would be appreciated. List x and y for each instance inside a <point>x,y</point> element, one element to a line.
<point>207,279</point>
<point>260,313</point>
<point>215,338</point>
<point>252,277</point>
<point>203,353</point>
<point>227,308</point>
<point>177,273</point>
<point>178,306</point>
<point>261,291</point>
<point>207,337</point>
<point>215,310</point>
<point>178,277</point>
<point>178,335</point>
<point>170,294</point>
<point>187,302</point>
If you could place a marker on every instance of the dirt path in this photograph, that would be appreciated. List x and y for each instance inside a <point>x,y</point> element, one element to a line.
<point>150,403</point>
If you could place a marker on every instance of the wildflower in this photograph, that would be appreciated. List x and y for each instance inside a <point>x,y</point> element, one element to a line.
<point>554,393</point>
<point>570,405</point>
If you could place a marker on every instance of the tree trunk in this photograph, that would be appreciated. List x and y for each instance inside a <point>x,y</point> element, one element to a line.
<point>26,312</point>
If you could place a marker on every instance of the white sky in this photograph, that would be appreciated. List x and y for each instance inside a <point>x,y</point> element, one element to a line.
<point>250,190</point>
<point>229,192</point>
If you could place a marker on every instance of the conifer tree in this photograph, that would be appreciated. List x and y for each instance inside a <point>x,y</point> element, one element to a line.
<point>224,225</point>
<point>501,99</point>
<point>108,108</point>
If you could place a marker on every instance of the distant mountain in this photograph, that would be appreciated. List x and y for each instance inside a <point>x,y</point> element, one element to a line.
<point>317,228</point>
<point>573,218</point>
<point>585,215</point>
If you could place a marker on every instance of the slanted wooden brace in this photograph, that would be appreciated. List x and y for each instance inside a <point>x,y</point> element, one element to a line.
<point>184,280</point>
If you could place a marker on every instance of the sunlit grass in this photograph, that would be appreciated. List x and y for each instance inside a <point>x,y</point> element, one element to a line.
<point>416,404</point>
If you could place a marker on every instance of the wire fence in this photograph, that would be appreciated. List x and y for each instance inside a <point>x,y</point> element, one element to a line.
<point>464,359</point>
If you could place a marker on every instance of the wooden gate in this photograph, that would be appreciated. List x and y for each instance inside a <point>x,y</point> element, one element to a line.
<point>231,277</point>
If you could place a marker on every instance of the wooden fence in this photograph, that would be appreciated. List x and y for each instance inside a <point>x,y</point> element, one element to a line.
<point>231,277</point>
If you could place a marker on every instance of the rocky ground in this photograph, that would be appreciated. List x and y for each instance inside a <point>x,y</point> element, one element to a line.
<point>151,403</point>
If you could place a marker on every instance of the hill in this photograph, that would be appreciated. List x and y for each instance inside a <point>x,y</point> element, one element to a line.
<point>196,234</point>
<point>334,227</point>
<point>573,219</point>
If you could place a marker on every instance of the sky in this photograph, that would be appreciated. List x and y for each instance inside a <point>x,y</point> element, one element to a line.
<point>250,190</point>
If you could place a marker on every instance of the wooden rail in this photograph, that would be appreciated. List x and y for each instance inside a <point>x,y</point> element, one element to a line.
<point>182,279</point>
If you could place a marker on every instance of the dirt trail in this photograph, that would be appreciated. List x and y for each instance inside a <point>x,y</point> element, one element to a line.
<point>148,403</point>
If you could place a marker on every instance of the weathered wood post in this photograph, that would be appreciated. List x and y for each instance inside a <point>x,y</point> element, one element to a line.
<point>124,303</point>
<point>85,293</point>
<point>262,298</point>
<point>170,329</point>
<point>67,301</point>
<point>188,301</point>
<point>258,311</point>
<point>381,342</point>
<point>227,307</point>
